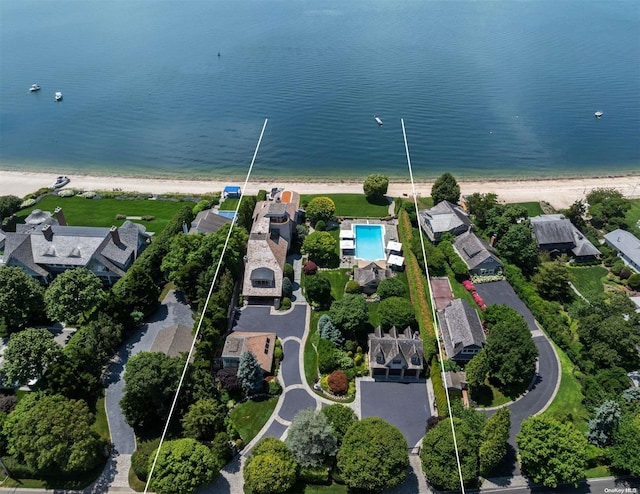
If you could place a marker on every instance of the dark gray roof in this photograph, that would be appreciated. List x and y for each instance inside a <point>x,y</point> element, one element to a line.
<point>626,243</point>
<point>552,229</point>
<point>384,348</point>
<point>460,326</point>
<point>474,251</point>
<point>264,274</point>
<point>583,247</point>
<point>208,221</point>
<point>444,217</point>
<point>370,274</point>
<point>37,216</point>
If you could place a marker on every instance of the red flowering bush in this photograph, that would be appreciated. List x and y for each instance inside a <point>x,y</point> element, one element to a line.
<point>338,382</point>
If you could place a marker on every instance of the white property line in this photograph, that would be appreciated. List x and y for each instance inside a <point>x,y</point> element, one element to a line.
<point>204,310</point>
<point>433,312</point>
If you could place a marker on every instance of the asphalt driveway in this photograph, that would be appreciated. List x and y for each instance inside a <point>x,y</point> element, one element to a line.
<point>284,324</point>
<point>404,405</point>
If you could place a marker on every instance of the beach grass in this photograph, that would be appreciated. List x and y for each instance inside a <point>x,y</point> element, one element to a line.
<point>249,417</point>
<point>102,213</point>
<point>588,280</point>
<point>352,205</point>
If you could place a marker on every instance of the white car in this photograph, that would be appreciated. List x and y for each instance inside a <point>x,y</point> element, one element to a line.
<point>60,182</point>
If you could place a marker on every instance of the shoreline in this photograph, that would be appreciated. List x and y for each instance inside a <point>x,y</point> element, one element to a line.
<point>559,192</point>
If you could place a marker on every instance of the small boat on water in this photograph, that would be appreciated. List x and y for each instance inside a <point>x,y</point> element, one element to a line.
<point>598,114</point>
<point>58,96</point>
<point>34,88</point>
<point>378,120</point>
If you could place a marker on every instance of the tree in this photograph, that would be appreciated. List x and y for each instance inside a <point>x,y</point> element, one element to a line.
<point>338,382</point>
<point>607,208</point>
<point>601,427</point>
<point>311,439</point>
<point>320,208</point>
<point>375,187</point>
<point>271,468</point>
<point>439,458</point>
<point>287,288</point>
<point>205,419</point>
<point>250,373</point>
<point>328,331</point>
<point>245,212</point>
<point>326,356</point>
<point>551,452</point>
<point>396,311</point>
<point>8,206</point>
<point>518,247</point>
<point>575,214</point>
<point>228,379</point>
<point>476,371</point>
<point>135,292</point>
<point>391,287</point>
<point>151,380</point>
<point>340,418</point>
<point>320,247</point>
<point>495,435</point>
<point>183,465</point>
<point>445,188</point>
<point>511,352</point>
<point>28,355</point>
<point>53,434</point>
<point>552,280</point>
<point>373,455</point>
<point>21,299</point>
<point>349,314</point>
<point>479,206</point>
<point>317,290</point>
<point>73,295</point>
<point>625,452</point>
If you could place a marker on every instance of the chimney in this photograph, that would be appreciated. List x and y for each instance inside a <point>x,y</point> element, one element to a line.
<point>492,241</point>
<point>115,236</point>
<point>62,221</point>
<point>47,231</point>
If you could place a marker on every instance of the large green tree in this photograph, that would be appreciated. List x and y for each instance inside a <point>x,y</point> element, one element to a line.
<point>439,457</point>
<point>341,418</point>
<point>317,290</point>
<point>151,380</point>
<point>602,426</point>
<point>391,287</point>
<point>375,186</point>
<point>311,439</point>
<point>320,247</point>
<point>373,455</point>
<point>205,419</point>
<point>183,465</point>
<point>607,208</point>
<point>396,311</point>
<point>495,435</point>
<point>518,247</point>
<point>250,373</point>
<point>28,355</point>
<point>511,352</point>
<point>552,280</point>
<point>551,452</point>
<point>21,299</point>
<point>320,209</point>
<point>477,370</point>
<point>479,206</point>
<point>8,206</point>
<point>73,295</point>
<point>625,452</point>
<point>445,188</point>
<point>349,314</point>
<point>271,468</point>
<point>53,434</point>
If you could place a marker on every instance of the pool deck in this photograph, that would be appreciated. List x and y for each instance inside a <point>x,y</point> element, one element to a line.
<point>390,233</point>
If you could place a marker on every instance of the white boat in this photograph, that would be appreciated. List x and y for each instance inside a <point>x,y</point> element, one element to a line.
<point>378,120</point>
<point>34,88</point>
<point>598,114</point>
<point>60,182</point>
<point>58,96</point>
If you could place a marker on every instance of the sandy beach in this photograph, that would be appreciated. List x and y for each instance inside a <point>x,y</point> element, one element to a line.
<point>560,193</point>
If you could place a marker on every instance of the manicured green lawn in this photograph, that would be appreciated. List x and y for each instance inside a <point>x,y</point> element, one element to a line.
<point>338,279</point>
<point>567,405</point>
<point>490,396</point>
<point>633,216</point>
<point>101,425</point>
<point>310,355</point>
<point>249,417</point>
<point>229,204</point>
<point>102,212</point>
<point>374,317</point>
<point>533,208</point>
<point>352,205</point>
<point>588,280</point>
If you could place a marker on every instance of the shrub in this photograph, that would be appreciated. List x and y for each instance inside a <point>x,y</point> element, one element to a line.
<point>321,226</point>
<point>274,387</point>
<point>140,457</point>
<point>7,403</point>
<point>326,356</point>
<point>320,208</point>
<point>310,268</point>
<point>201,206</point>
<point>285,304</point>
<point>66,193</point>
<point>338,382</point>
<point>121,216</point>
<point>288,272</point>
<point>352,287</point>
<point>314,475</point>
<point>28,203</point>
<point>391,287</point>
<point>148,217</point>
<point>87,195</point>
<point>287,287</point>
<point>634,281</point>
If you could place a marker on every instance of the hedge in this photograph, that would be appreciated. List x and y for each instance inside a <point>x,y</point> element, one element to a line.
<point>438,389</point>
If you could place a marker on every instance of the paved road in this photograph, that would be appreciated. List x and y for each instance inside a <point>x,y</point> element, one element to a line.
<point>546,378</point>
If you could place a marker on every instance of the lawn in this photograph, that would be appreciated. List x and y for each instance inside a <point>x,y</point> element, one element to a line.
<point>249,417</point>
<point>101,425</point>
<point>567,405</point>
<point>102,212</point>
<point>490,396</point>
<point>229,204</point>
<point>310,355</point>
<point>338,279</point>
<point>588,280</point>
<point>633,216</point>
<point>533,208</point>
<point>352,205</point>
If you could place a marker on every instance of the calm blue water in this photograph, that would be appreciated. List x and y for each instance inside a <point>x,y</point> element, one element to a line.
<point>486,88</point>
<point>369,244</point>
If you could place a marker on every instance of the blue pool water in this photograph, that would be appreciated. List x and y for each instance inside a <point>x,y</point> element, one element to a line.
<point>369,244</point>
<point>228,214</point>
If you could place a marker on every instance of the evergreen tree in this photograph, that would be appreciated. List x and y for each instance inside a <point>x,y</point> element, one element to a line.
<point>445,188</point>
<point>328,331</point>
<point>250,373</point>
<point>601,427</point>
<point>311,438</point>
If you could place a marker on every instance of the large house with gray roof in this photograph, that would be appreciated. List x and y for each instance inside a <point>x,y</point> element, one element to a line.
<point>627,245</point>
<point>396,355</point>
<point>46,246</point>
<point>478,255</point>
<point>557,235</point>
<point>208,221</point>
<point>445,217</point>
<point>462,332</point>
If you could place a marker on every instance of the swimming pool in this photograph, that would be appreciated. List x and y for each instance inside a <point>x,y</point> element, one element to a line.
<point>369,243</point>
<point>228,214</point>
